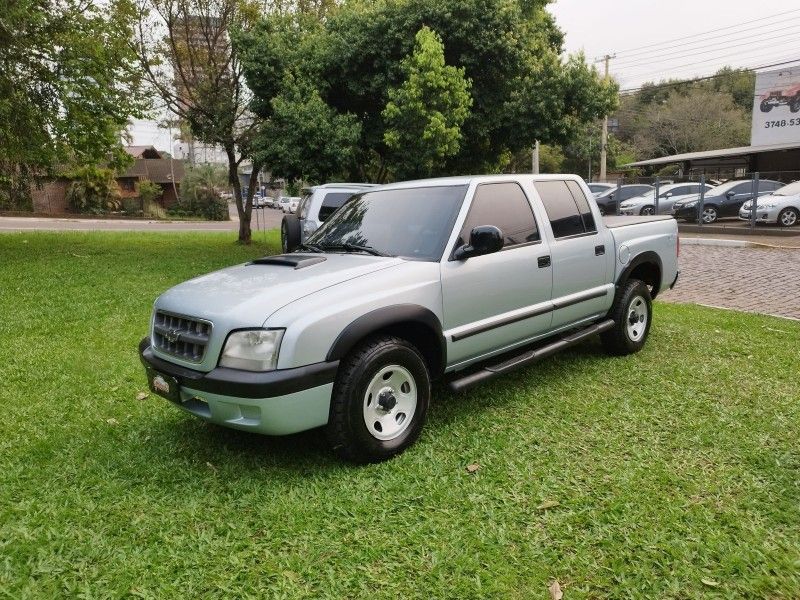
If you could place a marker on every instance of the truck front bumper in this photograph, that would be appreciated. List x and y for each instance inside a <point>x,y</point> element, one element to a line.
<point>277,402</point>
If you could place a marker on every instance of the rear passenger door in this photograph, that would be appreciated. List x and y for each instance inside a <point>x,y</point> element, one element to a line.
<point>581,256</point>
<point>494,301</point>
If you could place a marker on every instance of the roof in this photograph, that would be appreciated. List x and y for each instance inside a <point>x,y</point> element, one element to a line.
<point>157,170</point>
<point>143,151</point>
<point>468,179</point>
<point>722,153</point>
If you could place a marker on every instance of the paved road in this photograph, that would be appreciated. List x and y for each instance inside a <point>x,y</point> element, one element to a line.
<point>749,279</point>
<point>262,219</point>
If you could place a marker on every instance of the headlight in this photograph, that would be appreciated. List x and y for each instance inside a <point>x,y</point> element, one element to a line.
<point>252,349</point>
<point>690,204</point>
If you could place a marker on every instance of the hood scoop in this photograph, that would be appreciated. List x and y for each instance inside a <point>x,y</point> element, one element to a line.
<point>296,261</point>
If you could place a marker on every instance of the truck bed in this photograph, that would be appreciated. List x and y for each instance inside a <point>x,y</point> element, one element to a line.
<point>614,222</point>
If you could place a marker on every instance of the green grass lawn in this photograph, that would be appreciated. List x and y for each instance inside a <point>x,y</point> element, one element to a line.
<point>674,473</point>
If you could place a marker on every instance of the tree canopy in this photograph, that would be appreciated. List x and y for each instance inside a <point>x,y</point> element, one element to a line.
<point>359,60</point>
<point>69,84</point>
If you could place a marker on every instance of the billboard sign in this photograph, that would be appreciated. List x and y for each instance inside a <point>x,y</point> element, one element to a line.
<point>776,108</point>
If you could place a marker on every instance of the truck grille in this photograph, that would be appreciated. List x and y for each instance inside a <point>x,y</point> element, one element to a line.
<point>179,336</point>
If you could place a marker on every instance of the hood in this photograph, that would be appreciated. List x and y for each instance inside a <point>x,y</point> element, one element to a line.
<point>245,295</point>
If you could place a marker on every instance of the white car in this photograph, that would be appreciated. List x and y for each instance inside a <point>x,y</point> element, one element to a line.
<point>667,196</point>
<point>781,207</point>
<point>283,203</point>
<point>294,202</point>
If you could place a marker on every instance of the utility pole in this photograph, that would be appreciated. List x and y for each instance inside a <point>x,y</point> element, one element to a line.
<point>604,135</point>
<point>536,158</point>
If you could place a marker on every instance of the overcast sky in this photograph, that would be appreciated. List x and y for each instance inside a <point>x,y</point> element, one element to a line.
<point>655,40</point>
<point>644,34</point>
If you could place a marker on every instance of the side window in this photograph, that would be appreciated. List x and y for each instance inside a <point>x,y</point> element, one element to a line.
<point>331,202</point>
<point>583,206</point>
<point>562,211</point>
<point>505,206</point>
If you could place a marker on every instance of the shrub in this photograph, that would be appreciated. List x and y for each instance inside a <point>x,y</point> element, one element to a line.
<point>93,190</point>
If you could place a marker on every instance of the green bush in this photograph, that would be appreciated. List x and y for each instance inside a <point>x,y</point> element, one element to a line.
<point>93,190</point>
<point>132,205</point>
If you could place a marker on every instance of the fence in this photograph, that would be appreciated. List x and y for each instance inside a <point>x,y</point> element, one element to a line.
<point>700,199</point>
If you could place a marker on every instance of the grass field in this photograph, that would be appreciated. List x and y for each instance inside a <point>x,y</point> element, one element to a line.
<point>674,473</point>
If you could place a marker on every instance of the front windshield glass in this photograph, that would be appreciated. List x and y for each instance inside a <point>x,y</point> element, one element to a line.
<point>792,189</point>
<point>411,222</point>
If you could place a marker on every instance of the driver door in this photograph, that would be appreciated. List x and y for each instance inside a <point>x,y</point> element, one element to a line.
<point>494,301</point>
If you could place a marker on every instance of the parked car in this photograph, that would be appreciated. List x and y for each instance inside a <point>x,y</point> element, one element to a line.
<point>462,279</point>
<point>607,201</point>
<point>722,201</point>
<point>599,188</point>
<point>294,202</point>
<point>781,206</point>
<point>283,203</point>
<point>667,196</point>
<point>259,201</point>
<point>789,96</point>
<point>316,205</point>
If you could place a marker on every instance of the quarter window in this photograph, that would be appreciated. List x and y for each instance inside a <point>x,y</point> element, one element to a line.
<point>561,207</point>
<point>505,206</point>
<point>583,206</point>
<point>331,202</point>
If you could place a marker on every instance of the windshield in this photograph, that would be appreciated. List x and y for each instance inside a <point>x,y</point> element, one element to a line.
<point>792,189</point>
<point>412,222</point>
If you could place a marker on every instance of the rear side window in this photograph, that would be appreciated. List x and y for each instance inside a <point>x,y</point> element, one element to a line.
<point>505,206</point>
<point>561,207</point>
<point>331,202</point>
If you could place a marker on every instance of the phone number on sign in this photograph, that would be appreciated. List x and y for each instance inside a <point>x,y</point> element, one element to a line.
<point>782,123</point>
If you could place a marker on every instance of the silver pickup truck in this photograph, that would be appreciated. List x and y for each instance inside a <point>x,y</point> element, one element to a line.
<point>459,279</point>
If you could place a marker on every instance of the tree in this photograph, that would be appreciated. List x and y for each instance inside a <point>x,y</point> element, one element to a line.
<point>69,83</point>
<point>185,49</point>
<point>521,89</point>
<point>699,120</point>
<point>425,112</point>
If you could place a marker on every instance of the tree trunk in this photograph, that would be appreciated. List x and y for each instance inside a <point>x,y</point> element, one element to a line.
<point>243,210</point>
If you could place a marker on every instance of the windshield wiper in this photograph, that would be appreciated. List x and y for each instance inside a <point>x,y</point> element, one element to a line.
<point>311,248</point>
<point>348,247</point>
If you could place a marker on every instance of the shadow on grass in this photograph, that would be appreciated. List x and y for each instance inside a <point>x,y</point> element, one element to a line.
<point>192,441</point>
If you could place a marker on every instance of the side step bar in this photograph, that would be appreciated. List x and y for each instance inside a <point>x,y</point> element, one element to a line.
<point>528,357</point>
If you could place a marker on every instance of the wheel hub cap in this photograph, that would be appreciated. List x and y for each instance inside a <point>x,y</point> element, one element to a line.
<point>637,318</point>
<point>390,402</point>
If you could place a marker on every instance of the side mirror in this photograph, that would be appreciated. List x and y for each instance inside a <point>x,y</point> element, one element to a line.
<point>668,195</point>
<point>730,194</point>
<point>484,239</point>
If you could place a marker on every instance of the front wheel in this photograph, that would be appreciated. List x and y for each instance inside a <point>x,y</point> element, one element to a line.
<point>379,402</point>
<point>788,217</point>
<point>648,211</point>
<point>632,314</point>
<point>709,214</point>
<point>794,103</point>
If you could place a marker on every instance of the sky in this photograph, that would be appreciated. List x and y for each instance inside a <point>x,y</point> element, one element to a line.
<point>654,40</point>
<point>645,35</point>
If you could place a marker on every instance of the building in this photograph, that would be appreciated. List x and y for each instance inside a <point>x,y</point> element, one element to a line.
<point>150,164</point>
<point>774,161</point>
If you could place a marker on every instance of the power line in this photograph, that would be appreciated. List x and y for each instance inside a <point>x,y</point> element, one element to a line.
<point>716,47</point>
<point>632,51</point>
<point>705,78</point>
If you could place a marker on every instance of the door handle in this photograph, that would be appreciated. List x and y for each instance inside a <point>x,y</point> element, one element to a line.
<point>544,262</point>
<point>599,250</point>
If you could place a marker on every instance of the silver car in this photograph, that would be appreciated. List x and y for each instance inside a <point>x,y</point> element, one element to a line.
<point>667,196</point>
<point>462,279</point>
<point>781,207</point>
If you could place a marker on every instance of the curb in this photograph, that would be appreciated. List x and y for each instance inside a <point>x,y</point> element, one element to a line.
<point>687,241</point>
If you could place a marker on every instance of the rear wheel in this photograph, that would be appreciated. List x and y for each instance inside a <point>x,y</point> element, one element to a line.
<point>290,233</point>
<point>765,106</point>
<point>788,217</point>
<point>632,314</point>
<point>379,402</point>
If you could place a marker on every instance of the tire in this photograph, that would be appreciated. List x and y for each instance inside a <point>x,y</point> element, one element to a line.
<point>379,383</point>
<point>788,217</point>
<point>290,233</point>
<point>632,299</point>
<point>765,106</point>
<point>602,210</point>
<point>710,214</point>
<point>794,103</point>
<point>647,211</point>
